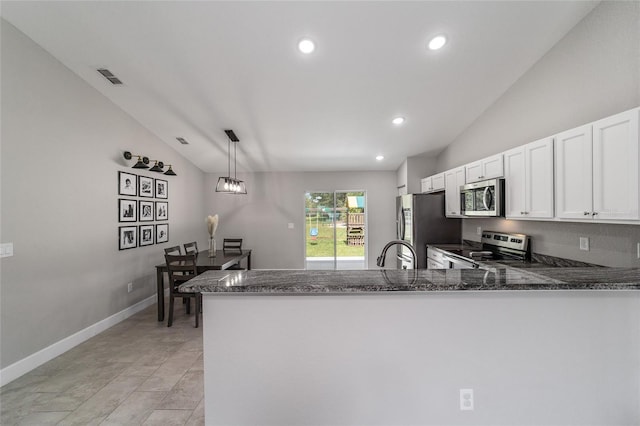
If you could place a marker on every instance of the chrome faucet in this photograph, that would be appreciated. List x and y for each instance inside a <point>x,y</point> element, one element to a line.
<point>383,255</point>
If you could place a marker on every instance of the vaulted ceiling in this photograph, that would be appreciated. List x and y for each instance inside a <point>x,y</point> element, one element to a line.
<point>193,69</point>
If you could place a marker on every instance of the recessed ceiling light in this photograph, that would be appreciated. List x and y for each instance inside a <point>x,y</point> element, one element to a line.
<point>398,120</point>
<point>306,46</point>
<point>379,157</point>
<point>437,42</point>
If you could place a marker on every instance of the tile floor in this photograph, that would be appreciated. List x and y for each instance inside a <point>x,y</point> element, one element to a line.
<point>139,372</point>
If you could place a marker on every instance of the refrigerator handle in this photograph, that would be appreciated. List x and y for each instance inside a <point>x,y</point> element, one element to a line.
<point>401,223</point>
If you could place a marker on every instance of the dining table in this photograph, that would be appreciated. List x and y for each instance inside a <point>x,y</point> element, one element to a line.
<point>224,259</point>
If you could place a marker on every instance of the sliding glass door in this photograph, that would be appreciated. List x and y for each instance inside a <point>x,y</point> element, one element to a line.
<point>335,236</point>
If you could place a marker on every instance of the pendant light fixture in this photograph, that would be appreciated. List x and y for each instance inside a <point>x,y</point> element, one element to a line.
<point>228,184</point>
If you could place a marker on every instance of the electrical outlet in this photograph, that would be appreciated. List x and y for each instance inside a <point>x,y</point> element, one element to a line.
<point>466,399</point>
<point>129,287</point>
<point>478,230</point>
<point>584,243</point>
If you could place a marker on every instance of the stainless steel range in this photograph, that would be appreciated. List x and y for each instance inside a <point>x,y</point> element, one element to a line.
<point>495,246</point>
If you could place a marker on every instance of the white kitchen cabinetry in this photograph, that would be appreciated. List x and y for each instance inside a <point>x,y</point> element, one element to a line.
<point>453,179</point>
<point>615,167</point>
<point>488,168</point>
<point>529,180</point>
<point>597,170</point>
<point>432,183</point>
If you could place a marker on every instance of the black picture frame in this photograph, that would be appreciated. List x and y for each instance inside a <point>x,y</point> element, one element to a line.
<point>146,236</point>
<point>127,184</point>
<point>146,211</point>
<point>127,237</point>
<point>162,210</point>
<point>162,233</point>
<point>162,188</point>
<point>145,186</point>
<point>127,210</point>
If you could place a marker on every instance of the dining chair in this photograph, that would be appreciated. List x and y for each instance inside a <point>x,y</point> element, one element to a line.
<point>173,250</point>
<point>190,248</point>
<point>181,268</point>
<point>232,245</point>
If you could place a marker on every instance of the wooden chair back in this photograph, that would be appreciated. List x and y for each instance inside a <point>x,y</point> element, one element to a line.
<point>190,248</point>
<point>172,250</point>
<point>232,244</point>
<point>180,268</point>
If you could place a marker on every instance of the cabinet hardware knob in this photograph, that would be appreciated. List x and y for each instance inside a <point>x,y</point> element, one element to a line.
<point>594,213</point>
<point>521,212</point>
<point>587,213</point>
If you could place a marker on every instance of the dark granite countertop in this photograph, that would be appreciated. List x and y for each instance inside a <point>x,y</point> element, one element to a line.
<point>493,277</point>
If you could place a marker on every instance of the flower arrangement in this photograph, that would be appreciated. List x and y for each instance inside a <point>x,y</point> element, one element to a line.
<point>212,225</point>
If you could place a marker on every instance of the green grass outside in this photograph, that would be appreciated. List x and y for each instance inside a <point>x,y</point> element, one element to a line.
<point>323,245</point>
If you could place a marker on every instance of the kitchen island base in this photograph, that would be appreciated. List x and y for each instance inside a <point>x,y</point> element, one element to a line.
<point>531,357</point>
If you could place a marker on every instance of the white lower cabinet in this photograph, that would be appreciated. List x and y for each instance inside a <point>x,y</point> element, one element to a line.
<point>435,259</point>
<point>597,170</point>
<point>529,180</point>
<point>453,180</point>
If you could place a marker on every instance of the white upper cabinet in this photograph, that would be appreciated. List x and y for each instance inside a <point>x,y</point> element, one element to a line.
<point>453,180</point>
<point>529,180</point>
<point>574,173</point>
<point>615,167</point>
<point>432,183</point>
<point>597,170</point>
<point>488,168</point>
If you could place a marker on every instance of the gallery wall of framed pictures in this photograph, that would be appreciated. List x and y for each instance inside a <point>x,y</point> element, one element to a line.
<point>142,199</point>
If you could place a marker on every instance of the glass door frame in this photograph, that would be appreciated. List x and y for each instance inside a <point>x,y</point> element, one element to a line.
<point>333,221</point>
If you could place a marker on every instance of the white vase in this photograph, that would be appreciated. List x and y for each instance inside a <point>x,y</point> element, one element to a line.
<point>212,247</point>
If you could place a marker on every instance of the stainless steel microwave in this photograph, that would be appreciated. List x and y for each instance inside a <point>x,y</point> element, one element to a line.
<point>483,199</point>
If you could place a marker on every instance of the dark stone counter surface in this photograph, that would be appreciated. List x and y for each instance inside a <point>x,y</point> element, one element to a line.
<point>494,276</point>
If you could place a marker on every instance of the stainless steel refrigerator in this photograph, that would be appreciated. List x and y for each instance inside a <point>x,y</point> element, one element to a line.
<point>420,221</point>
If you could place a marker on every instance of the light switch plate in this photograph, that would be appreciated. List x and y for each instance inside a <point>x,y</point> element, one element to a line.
<point>584,243</point>
<point>6,249</point>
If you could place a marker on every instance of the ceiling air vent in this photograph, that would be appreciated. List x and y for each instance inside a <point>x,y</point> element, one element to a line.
<point>109,76</point>
<point>183,141</point>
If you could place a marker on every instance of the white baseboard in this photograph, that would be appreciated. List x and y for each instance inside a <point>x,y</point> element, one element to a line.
<point>18,368</point>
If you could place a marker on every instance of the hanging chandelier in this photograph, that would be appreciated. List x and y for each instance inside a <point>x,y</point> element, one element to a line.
<point>228,184</point>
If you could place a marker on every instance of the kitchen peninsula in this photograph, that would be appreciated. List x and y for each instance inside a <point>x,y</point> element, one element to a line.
<point>379,347</point>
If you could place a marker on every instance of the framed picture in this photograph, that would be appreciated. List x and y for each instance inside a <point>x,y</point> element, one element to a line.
<point>146,235</point>
<point>146,186</point>
<point>162,233</point>
<point>162,210</point>
<point>127,210</point>
<point>162,188</point>
<point>128,237</point>
<point>145,209</point>
<point>127,184</point>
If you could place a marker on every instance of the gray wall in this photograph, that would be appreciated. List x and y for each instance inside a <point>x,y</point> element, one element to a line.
<point>274,200</point>
<point>592,73</point>
<point>62,145</point>
<point>413,169</point>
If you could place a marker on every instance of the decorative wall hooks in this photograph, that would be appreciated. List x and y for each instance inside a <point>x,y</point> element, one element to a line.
<point>143,163</point>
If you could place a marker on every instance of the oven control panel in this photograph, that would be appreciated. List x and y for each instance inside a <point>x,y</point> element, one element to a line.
<point>506,240</point>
